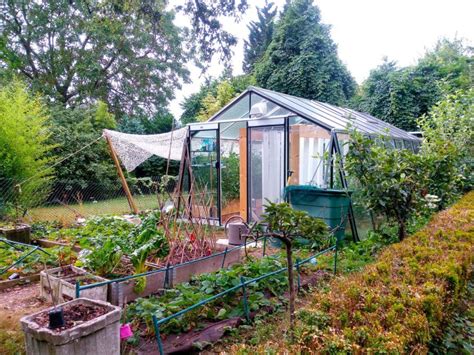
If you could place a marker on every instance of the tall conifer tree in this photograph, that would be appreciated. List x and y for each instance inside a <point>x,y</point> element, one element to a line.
<point>302,58</point>
<point>260,36</point>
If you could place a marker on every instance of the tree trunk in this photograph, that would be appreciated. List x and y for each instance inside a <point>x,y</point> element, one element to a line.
<point>291,284</point>
<point>402,230</point>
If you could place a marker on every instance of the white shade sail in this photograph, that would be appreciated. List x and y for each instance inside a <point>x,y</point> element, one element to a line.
<point>134,149</point>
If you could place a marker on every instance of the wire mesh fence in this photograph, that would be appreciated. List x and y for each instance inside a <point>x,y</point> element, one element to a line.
<point>66,202</point>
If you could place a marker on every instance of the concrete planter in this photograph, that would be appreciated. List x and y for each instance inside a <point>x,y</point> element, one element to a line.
<point>97,336</point>
<point>63,284</point>
<point>19,233</point>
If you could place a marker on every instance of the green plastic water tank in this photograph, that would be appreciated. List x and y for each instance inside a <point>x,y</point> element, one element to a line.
<point>330,205</point>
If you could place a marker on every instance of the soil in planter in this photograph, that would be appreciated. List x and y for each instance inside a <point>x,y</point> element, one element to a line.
<point>74,314</point>
<point>83,280</point>
<point>66,271</point>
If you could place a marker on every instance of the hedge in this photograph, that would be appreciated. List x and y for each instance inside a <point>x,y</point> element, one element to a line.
<point>399,303</point>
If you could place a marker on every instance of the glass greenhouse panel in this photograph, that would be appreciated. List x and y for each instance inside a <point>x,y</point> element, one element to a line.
<point>267,167</point>
<point>233,145</point>
<point>308,153</point>
<point>238,109</point>
<point>204,167</point>
<point>268,108</point>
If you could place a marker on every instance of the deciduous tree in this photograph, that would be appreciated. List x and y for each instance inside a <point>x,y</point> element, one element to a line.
<point>401,95</point>
<point>127,53</point>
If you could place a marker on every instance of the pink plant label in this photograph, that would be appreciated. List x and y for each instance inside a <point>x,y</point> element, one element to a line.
<point>126,331</point>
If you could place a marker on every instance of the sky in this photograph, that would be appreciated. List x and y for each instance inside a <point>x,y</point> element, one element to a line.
<point>365,32</point>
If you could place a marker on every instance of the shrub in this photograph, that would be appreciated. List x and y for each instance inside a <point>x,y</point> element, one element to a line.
<point>448,149</point>
<point>402,300</point>
<point>391,179</point>
<point>24,133</point>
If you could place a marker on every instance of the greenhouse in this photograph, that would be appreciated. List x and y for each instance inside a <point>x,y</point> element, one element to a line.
<point>264,141</point>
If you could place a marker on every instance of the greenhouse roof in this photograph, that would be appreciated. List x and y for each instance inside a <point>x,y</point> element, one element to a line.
<point>326,115</point>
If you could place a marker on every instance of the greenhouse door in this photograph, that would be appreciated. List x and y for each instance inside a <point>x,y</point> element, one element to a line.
<point>205,166</point>
<point>266,161</point>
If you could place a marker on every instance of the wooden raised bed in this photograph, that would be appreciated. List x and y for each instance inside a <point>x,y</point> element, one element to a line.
<point>123,291</point>
<point>185,272</point>
<point>46,243</point>
<point>20,281</point>
<point>19,233</point>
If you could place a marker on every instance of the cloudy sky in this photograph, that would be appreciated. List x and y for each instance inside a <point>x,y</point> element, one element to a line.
<point>365,31</point>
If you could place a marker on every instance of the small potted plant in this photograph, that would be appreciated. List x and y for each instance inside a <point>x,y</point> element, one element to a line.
<point>81,326</point>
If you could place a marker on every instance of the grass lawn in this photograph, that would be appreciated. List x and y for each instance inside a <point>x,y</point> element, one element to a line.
<point>67,214</point>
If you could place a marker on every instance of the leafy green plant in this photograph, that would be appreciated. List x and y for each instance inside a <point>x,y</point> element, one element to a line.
<point>35,262</point>
<point>204,286</point>
<point>285,224</point>
<point>230,182</point>
<point>448,148</point>
<point>391,180</point>
<point>107,239</point>
<point>149,240</point>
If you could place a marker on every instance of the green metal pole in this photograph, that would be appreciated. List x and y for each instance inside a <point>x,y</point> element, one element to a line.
<point>157,335</point>
<point>78,289</point>
<point>18,261</point>
<point>244,292</point>
<point>223,258</point>
<point>264,245</point>
<point>335,256</point>
<point>298,273</point>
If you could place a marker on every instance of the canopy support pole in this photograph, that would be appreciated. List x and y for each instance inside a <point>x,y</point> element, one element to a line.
<point>113,154</point>
<point>337,149</point>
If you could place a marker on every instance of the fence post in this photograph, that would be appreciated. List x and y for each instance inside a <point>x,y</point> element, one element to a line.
<point>298,273</point>
<point>335,256</point>
<point>157,335</point>
<point>166,282</point>
<point>223,259</point>
<point>244,292</point>
<point>78,289</point>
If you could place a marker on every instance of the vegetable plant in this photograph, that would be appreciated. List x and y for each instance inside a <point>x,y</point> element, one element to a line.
<point>204,286</point>
<point>149,240</point>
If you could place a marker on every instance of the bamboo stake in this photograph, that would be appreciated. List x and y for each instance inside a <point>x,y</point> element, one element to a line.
<point>131,202</point>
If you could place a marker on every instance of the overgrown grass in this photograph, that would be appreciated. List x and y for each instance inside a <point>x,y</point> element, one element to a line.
<point>11,335</point>
<point>67,215</point>
<point>397,304</point>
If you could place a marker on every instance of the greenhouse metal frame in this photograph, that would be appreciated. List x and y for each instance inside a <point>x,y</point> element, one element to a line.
<point>277,140</point>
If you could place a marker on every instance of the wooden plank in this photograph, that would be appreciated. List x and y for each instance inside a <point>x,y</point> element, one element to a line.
<point>21,281</point>
<point>294,179</point>
<point>243,172</point>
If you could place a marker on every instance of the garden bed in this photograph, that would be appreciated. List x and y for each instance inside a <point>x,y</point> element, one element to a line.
<point>60,283</point>
<point>125,291</point>
<point>4,284</point>
<point>208,325</point>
